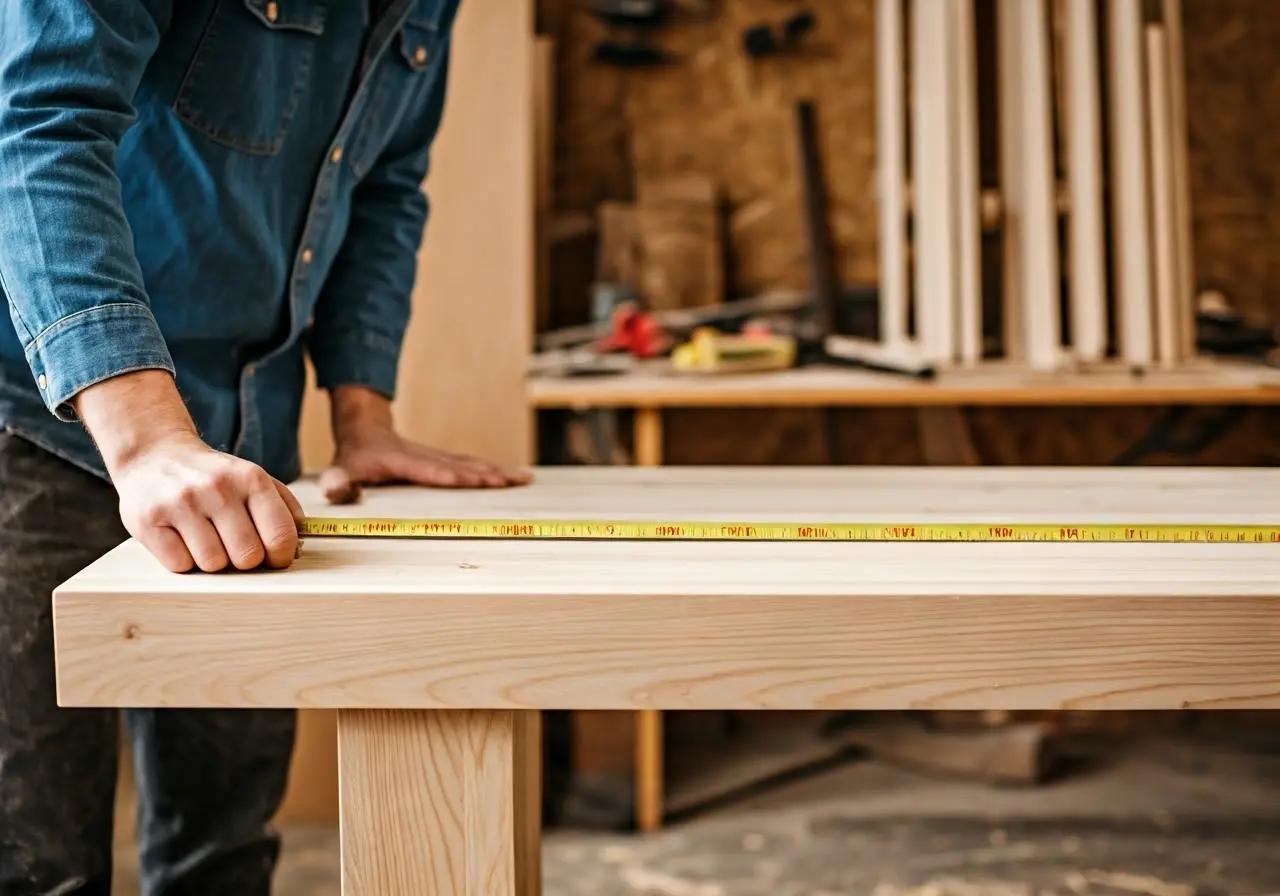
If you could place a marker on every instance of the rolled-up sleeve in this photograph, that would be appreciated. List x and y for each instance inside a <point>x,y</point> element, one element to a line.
<point>363,310</point>
<point>68,73</point>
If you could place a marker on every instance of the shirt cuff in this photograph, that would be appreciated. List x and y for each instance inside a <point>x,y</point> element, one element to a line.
<point>363,358</point>
<point>93,345</point>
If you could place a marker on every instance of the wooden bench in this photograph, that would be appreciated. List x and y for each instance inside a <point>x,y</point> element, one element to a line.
<point>439,654</point>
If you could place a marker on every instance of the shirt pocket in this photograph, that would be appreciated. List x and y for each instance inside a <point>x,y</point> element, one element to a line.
<point>404,74</point>
<point>250,72</point>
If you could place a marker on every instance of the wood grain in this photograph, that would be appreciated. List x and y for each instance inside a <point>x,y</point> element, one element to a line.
<point>614,625</point>
<point>431,804</point>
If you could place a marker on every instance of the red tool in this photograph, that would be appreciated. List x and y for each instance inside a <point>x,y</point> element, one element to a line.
<point>636,332</point>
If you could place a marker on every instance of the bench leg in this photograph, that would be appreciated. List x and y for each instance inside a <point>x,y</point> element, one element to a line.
<point>649,758</point>
<point>440,802</point>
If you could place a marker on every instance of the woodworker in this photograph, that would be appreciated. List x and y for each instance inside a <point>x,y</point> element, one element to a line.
<point>194,196</point>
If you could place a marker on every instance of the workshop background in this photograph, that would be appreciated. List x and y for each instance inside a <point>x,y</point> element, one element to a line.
<point>682,176</point>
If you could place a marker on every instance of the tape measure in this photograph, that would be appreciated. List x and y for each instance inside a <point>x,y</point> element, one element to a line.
<point>633,530</point>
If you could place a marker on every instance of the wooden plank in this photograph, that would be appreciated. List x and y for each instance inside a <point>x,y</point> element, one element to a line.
<point>990,385</point>
<point>433,803</point>
<point>1169,326</point>
<point>1008,38</point>
<point>1130,227</point>
<point>964,79</point>
<point>1086,231</point>
<point>650,773</point>
<point>933,190</point>
<point>1172,10</point>
<point>1039,219</point>
<point>891,171</point>
<point>390,624</point>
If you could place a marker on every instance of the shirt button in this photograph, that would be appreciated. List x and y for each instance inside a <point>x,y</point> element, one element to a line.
<point>273,11</point>
<point>306,256</point>
<point>336,155</point>
<point>420,55</point>
<point>43,381</point>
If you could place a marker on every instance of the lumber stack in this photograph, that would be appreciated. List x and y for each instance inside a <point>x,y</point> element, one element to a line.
<point>1093,221</point>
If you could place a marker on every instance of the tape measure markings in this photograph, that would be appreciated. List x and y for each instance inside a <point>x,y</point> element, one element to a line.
<point>635,530</point>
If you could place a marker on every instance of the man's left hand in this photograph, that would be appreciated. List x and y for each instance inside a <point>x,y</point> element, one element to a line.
<point>368,451</point>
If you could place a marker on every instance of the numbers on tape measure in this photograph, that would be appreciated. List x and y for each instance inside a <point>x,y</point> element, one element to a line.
<point>631,530</point>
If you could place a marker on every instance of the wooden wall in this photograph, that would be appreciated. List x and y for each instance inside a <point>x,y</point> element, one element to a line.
<point>718,113</point>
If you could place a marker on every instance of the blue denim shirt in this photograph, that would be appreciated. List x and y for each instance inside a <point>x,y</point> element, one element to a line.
<point>215,189</point>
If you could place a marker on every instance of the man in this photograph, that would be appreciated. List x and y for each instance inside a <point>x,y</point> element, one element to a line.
<point>193,196</point>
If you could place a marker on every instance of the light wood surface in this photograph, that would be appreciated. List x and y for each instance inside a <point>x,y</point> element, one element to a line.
<point>1009,91</point>
<point>556,624</point>
<point>1085,235</point>
<point>431,804</point>
<point>1038,221</point>
<point>964,86</point>
<point>891,171</point>
<point>933,172</point>
<point>1172,12</point>
<point>992,384</point>
<point>1130,187</point>
<point>1164,236</point>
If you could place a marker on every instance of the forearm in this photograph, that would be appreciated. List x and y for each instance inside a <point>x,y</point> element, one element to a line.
<point>130,413</point>
<point>357,409</point>
<point>68,72</point>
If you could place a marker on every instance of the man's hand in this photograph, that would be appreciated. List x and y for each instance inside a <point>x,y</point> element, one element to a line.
<point>191,506</point>
<point>368,451</point>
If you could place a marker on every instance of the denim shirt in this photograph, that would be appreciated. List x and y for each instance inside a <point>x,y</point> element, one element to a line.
<point>216,189</point>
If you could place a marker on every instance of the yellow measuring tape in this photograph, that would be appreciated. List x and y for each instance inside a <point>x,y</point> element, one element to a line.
<point>632,530</point>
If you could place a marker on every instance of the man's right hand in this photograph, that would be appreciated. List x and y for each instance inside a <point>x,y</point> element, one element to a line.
<point>191,506</point>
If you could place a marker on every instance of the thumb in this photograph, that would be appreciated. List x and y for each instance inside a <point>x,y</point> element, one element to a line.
<point>339,486</point>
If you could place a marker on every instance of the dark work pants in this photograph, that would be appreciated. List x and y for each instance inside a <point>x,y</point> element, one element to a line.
<point>208,781</point>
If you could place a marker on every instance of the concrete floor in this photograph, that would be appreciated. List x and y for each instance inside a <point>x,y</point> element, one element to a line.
<point>1166,817</point>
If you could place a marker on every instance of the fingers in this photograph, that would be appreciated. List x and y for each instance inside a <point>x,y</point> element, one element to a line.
<point>291,501</point>
<point>276,524</point>
<point>339,486</point>
<point>213,511</point>
<point>203,541</point>
<point>168,547</point>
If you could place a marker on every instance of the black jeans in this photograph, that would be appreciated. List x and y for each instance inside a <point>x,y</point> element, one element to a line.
<point>208,781</point>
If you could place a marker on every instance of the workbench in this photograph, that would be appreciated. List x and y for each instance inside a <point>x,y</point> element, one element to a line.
<point>651,389</point>
<point>438,654</point>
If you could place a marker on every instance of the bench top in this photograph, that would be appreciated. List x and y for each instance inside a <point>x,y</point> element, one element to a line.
<point>563,624</point>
